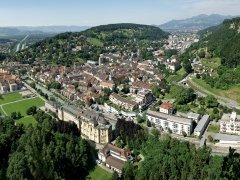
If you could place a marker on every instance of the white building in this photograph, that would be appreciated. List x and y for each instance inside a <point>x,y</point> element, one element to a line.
<point>202,125</point>
<point>194,116</point>
<point>230,123</point>
<point>166,122</point>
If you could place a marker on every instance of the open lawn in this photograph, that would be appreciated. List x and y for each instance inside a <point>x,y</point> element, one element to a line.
<point>95,41</point>
<point>6,98</point>
<point>22,107</point>
<point>27,120</point>
<point>99,174</point>
<point>211,63</point>
<point>232,93</point>
<point>180,74</point>
<point>213,128</point>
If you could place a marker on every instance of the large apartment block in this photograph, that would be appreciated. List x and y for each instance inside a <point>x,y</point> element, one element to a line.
<point>230,123</point>
<point>167,122</point>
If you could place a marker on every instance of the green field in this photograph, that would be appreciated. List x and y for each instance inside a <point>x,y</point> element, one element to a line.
<point>99,174</point>
<point>95,41</point>
<point>6,98</point>
<point>213,128</point>
<point>212,63</point>
<point>180,74</point>
<point>232,93</point>
<point>27,120</point>
<point>21,107</point>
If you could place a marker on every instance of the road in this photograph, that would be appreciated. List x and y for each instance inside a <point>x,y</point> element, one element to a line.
<point>230,103</point>
<point>222,100</point>
<point>20,43</point>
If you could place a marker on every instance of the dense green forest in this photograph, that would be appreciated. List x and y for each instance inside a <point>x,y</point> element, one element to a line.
<point>50,150</point>
<point>61,49</point>
<point>220,41</point>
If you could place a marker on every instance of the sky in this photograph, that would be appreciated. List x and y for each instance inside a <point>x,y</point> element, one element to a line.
<point>96,12</point>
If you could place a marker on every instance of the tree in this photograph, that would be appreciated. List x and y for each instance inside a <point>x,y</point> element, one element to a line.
<point>115,176</point>
<point>211,101</point>
<point>187,66</point>
<point>128,171</point>
<point>140,119</point>
<point>19,115</point>
<point>14,115</point>
<point>184,133</point>
<point>210,138</point>
<point>148,123</point>
<point>32,110</point>
<point>156,90</point>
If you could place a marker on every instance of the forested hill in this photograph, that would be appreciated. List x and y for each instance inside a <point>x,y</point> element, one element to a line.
<point>128,30</point>
<point>224,41</point>
<point>67,48</point>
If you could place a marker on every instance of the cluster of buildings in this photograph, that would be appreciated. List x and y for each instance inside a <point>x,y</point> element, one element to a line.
<point>165,120</point>
<point>8,81</point>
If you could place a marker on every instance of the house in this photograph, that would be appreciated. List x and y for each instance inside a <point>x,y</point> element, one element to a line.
<point>136,86</point>
<point>114,157</point>
<point>230,123</point>
<point>166,122</point>
<point>166,108</point>
<point>107,84</point>
<point>123,102</point>
<point>202,125</point>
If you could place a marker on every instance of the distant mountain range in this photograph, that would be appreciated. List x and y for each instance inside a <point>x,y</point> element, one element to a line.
<point>199,22</point>
<point>36,30</point>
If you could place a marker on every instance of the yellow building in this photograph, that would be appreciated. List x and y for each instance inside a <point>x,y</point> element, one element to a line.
<point>95,127</point>
<point>91,124</point>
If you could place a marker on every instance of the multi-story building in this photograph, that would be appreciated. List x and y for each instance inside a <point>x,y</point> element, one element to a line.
<point>123,102</point>
<point>51,106</point>
<point>68,113</point>
<point>202,125</point>
<point>167,122</point>
<point>114,157</point>
<point>91,124</point>
<point>230,123</point>
<point>95,127</point>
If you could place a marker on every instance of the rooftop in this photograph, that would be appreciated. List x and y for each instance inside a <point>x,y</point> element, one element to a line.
<point>169,117</point>
<point>202,123</point>
<point>226,137</point>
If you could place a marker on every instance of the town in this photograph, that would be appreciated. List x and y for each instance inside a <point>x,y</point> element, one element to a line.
<point>121,85</point>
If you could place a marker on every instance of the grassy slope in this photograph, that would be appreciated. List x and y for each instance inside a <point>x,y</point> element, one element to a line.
<point>95,41</point>
<point>180,74</point>
<point>10,98</point>
<point>232,93</point>
<point>99,174</point>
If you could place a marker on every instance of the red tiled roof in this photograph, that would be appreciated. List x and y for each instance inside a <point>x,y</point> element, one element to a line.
<point>166,105</point>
